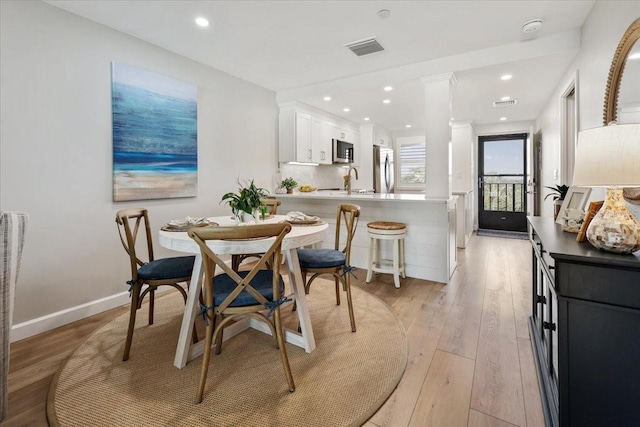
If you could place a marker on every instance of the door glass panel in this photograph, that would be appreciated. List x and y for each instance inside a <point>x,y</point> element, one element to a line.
<point>504,175</point>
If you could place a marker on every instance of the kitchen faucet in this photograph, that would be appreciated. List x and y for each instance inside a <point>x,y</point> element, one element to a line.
<point>348,178</point>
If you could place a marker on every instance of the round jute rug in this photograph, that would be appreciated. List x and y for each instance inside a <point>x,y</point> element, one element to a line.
<point>342,383</point>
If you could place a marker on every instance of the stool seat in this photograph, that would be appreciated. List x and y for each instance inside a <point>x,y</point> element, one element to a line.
<point>387,225</point>
<point>386,230</point>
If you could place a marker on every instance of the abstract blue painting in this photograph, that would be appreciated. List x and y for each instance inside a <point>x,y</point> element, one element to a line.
<point>155,135</point>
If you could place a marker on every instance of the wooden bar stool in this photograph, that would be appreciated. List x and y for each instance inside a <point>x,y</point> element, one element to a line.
<point>384,230</point>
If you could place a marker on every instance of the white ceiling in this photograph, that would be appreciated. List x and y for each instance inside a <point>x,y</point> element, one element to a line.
<point>296,48</point>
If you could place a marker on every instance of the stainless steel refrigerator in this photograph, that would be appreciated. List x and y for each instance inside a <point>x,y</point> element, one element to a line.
<point>383,173</point>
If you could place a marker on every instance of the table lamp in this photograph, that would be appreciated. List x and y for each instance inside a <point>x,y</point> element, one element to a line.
<point>609,157</point>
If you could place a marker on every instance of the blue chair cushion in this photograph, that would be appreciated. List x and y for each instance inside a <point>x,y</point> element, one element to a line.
<point>167,268</point>
<point>321,258</point>
<point>261,282</point>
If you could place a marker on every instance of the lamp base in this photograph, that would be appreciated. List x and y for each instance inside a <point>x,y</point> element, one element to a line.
<point>614,228</point>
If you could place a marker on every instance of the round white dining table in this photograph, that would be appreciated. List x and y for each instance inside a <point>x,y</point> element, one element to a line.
<point>299,236</point>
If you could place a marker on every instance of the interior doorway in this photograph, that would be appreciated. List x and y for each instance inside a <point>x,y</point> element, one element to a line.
<point>502,177</point>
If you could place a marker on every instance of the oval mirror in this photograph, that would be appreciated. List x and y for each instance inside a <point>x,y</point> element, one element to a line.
<point>622,94</point>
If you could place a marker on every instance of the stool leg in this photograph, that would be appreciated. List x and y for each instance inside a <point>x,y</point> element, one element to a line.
<point>396,262</point>
<point>369,270</point>
<point>402,257</point>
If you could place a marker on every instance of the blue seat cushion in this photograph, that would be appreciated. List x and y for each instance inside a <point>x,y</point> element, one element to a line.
<point>167,268</point>
<point>223,285</point>
<point>321,258</point>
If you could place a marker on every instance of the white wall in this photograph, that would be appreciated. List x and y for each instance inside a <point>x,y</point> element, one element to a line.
<point>56,152</point>
<point>601,33</point>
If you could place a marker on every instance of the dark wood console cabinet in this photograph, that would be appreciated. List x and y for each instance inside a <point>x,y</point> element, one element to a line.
<point>585,329</point>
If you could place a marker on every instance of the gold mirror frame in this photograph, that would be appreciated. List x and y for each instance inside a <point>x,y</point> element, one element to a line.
<point>630,37</point>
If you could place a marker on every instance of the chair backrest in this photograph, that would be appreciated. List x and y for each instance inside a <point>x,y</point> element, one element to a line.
<point>273,255</point>
<point>134,222</point>
<point>12,229</point>
<point>272,205</point>
<point>348,215</point>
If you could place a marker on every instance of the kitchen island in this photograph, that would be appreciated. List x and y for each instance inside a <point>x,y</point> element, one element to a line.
<point>430,245</point>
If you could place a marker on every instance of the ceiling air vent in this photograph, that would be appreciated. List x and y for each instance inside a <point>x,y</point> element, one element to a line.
<point>365,47</point>
<point>505,103</point>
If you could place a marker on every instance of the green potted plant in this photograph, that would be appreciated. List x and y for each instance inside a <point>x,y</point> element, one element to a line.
<point>289,184</point>
<point>558,194</point>
<point>246,202</point>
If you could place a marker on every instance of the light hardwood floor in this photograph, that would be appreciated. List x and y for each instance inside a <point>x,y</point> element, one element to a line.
<point>470,358</point>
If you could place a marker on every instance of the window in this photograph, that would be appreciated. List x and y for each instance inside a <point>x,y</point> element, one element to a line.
<point>411,162</point>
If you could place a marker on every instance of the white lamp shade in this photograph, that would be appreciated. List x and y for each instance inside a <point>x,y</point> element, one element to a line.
<point>608,156</point>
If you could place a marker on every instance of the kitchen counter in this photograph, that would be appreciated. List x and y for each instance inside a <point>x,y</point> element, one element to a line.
<point>342,195</point>
<point>430,245</point>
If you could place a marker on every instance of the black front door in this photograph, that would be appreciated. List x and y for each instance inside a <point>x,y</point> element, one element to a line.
<point>501,180</point>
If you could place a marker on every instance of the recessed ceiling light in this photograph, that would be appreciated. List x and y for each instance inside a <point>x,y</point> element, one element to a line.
<point>506,77</point>
<point>634,56</point>
<point>502,119</point>
<point>408,126</point>
<point>505,98</point>
<point>366,119</point>
<point>346,110</point>
<point>386,101</point>
<point>388,88</point>
<point>327,98</point>
<point>203,22</point>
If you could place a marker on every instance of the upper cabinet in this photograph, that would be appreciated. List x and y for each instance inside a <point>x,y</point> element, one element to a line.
<point>306,135</point>
<point>381,137</point>
<point>326,142</point>
<point>372,134</point>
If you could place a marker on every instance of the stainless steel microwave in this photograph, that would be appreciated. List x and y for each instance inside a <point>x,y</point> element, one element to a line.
<point>342,151</point>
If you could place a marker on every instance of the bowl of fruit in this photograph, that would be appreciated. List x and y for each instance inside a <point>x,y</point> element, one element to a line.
<point>307,188</point>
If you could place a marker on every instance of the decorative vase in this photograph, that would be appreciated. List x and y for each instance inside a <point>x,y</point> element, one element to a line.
<point>614,228</point>
<point>243,217</point>
<point>289,190</point>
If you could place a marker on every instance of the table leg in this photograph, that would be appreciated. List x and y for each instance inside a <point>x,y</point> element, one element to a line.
<point>297,285</point>
<point>190,311</point>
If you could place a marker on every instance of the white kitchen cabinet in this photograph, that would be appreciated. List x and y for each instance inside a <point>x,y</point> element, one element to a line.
<point>296,136</point>
<point>381,138</point>
<point>306,134</point>
<point>316,139</point>
<point>326,143</point>
<point>304,148</point>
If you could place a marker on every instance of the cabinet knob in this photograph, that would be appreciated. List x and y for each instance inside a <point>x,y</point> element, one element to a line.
<point>548,325</point>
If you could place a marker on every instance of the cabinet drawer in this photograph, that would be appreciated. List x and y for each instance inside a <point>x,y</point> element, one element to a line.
<point>599,283</point>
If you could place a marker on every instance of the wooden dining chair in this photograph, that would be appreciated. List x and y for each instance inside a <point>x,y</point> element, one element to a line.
<point>335,262</point>
<point>148,270</point>
<point>272,209</point>
<point>246,293</point>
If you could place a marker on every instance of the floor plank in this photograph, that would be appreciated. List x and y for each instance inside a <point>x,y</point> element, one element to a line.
<point>497,386</point>
<point>444,398</point>
<point>478,419</point>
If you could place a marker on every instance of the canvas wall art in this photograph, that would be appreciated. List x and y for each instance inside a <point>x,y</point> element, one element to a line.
<point>155,136</point>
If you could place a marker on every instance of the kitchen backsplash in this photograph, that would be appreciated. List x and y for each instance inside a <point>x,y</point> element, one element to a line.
<point>318,176</point>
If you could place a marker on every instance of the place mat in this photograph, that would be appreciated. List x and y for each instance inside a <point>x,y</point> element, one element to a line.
<point>306,223</point>
<point>169,227</point>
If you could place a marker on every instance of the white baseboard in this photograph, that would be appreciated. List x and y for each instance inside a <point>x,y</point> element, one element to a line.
<point>54,320</point>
